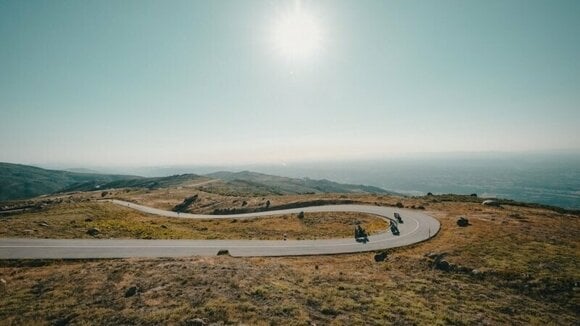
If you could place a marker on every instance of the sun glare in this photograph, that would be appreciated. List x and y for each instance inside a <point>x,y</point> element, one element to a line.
<point>297,34</point>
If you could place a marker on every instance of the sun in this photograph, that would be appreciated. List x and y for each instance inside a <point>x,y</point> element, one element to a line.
<point>297,34</point>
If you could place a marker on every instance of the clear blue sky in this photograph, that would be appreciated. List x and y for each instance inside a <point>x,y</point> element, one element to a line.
<point>186,82</point>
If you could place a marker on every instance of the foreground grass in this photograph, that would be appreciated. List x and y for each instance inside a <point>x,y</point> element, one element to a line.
<point>73,220</point>
<point>343,290</point>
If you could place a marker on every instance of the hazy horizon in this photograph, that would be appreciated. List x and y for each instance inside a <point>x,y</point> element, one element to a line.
<point>149,83</point>
<point>551,178</point>
<point>241,165</point>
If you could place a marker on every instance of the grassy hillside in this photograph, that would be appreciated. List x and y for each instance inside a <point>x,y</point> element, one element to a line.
<point>140,182</point>
<point>269,184</point>
<point>22,181</point>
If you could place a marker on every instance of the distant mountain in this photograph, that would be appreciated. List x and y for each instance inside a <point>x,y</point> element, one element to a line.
<point>284,185</point>
<point>82,170</point>
<point>182,180</point>
<point>23,181</point>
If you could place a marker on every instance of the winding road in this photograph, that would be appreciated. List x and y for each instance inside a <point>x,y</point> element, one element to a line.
<point>417,227</point>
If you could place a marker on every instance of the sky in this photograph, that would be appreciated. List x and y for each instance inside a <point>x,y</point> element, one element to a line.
<point>144,83</point>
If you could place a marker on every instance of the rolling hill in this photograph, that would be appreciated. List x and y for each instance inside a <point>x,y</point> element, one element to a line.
<point>23,181</point>
<point>141,182</point>
<point>284,185</point>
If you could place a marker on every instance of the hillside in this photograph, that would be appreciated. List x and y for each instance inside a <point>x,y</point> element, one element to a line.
<point>512,265</point>
<point>23,181</point>
<point>264,183</point>
<point>141,182</point>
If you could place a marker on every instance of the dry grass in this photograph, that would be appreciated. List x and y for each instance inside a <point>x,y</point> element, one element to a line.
<point>341,290</point>
<point>73,220</point>
<point>528,262</point>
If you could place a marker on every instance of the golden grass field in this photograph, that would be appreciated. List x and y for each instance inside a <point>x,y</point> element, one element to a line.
<point>515,265</point>
<point>71,221</point>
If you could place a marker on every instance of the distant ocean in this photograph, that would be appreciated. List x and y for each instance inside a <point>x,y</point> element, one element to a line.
<point>552,179</point>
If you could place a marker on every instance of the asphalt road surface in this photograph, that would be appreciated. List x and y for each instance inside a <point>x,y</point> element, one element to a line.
<point>417,227</point>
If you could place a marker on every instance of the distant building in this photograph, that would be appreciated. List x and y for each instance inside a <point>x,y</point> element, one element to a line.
<point>490,202</point>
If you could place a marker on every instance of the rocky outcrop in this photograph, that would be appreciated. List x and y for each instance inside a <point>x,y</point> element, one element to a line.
<point>194,322</point>
<point>184,206</point>
<point>131,291</point>
<point>382,256</point>
<point>443,265</point>
<point>93,232</point>
<point>462,222</point>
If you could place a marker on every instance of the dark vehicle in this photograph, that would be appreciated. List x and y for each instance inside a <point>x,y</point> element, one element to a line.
<point>395,228</point>
<point>398,217</point>
<point>360,234</point>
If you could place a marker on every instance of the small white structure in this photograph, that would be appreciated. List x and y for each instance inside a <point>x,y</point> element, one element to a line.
<point>490,202</point>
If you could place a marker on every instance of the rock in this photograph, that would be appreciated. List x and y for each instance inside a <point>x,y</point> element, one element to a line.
<point>93,231</point>
<point>194,322</point>
<point>431,255</point>
<point>436,255</point>
<point>476,272</point>
<point>463,269</point>
<point>381,256</point>
<point>443,265</point>
<point>63,321</point>
<point>462,222</point>
<point>223,252</point>
<point>43,223</point>
<point>507,310</point>
<point>131,292</point>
